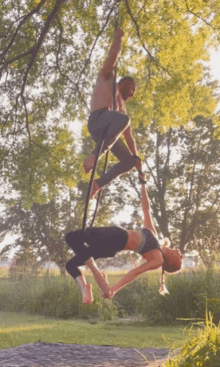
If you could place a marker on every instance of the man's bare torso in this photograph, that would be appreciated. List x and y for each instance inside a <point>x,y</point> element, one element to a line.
<point>102,96</point>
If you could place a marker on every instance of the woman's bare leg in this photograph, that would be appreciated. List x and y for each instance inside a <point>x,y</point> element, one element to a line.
<point>100,278</point>
<point>86,289</point>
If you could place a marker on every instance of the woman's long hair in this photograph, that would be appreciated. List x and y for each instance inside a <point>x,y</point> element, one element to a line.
<point>170,265</point>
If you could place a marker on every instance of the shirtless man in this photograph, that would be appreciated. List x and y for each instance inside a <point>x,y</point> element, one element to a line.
<point>102,115</point>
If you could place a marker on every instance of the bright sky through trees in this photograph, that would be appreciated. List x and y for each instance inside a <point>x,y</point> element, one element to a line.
<point>49,56</point>
<point>215,64</point>
<point>215,71</point>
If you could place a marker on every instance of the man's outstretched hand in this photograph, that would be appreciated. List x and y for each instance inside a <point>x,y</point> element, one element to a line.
<point>138,163</point>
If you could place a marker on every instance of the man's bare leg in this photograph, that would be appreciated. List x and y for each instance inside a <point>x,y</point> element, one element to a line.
<point>89,163</point>
<point>95,189</point>
<point>86,290</point>
<point>100,278</point>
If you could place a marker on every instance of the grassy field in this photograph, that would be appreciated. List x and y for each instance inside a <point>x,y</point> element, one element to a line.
<point>49,308</point>
<point>4,273</point>
<point>21,328</point>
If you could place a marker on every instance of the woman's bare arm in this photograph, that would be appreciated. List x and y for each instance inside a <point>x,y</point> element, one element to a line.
<point>134,273</point>
<point>148,222</point>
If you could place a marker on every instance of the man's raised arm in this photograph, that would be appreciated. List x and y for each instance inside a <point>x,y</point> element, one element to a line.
<point>108,67</point>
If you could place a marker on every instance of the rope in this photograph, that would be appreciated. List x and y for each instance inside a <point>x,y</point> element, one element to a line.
<point>101,143</point>
<point>115,68</point>
<point>100,191</point>
<point>114,108</point>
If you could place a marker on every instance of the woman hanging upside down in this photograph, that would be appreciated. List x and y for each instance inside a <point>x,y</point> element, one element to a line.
<point>105,242</point>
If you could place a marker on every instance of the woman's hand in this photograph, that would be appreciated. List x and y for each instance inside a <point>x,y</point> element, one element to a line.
<point>142,178</point>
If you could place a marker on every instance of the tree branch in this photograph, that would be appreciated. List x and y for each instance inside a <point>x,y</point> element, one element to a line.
<point>20,25</point>
<point>27,125</point>
<point>134,186</point>
<point>166,164</point>
<point>94,44</point>
<point>41,147</point>
<point>194,167</point>
<point>60,71</point>
<point>7,117</point>
<point>158,161</point>
<point>151,172</point>
<point>48,22</point>
<point>199,17</point>
<point>158,65</point>
<point>9,61</point>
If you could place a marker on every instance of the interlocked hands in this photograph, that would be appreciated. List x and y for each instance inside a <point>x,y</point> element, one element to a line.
<point>107,292</point>
<point>110,294</point>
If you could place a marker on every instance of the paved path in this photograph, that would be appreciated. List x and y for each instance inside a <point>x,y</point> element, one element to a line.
<point>74,355</point>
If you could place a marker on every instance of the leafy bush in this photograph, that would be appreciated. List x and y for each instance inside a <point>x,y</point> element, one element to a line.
<point>203,350</point>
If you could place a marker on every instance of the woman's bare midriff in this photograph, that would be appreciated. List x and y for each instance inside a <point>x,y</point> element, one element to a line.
<point>134,239</point>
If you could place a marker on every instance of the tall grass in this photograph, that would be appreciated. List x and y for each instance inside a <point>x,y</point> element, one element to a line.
<point>53,296</point>
<point>203,350</point>
<point>188,293</point>
<point>60,297</point>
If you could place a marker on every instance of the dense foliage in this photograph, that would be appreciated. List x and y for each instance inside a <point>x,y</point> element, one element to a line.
<point>50,52</point>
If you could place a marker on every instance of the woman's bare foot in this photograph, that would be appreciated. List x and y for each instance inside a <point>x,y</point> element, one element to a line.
<point>95,189</point>
<point>89,163</point>
<point>88,299</point>
<point>104,276</point>
<point>104,285</point>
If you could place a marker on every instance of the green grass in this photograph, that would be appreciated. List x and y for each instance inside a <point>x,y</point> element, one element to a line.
<point>22,328</point>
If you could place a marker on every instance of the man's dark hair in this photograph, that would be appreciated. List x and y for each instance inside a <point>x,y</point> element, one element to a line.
<point>128,78</point>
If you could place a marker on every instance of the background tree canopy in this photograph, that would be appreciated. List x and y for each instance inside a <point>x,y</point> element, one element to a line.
<point>50,53</point>
<point>49,58</point>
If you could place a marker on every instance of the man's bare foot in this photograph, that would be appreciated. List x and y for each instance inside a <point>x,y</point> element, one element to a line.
<point>89,163</point>
<point>88,299</point>
<point>95,189</point>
